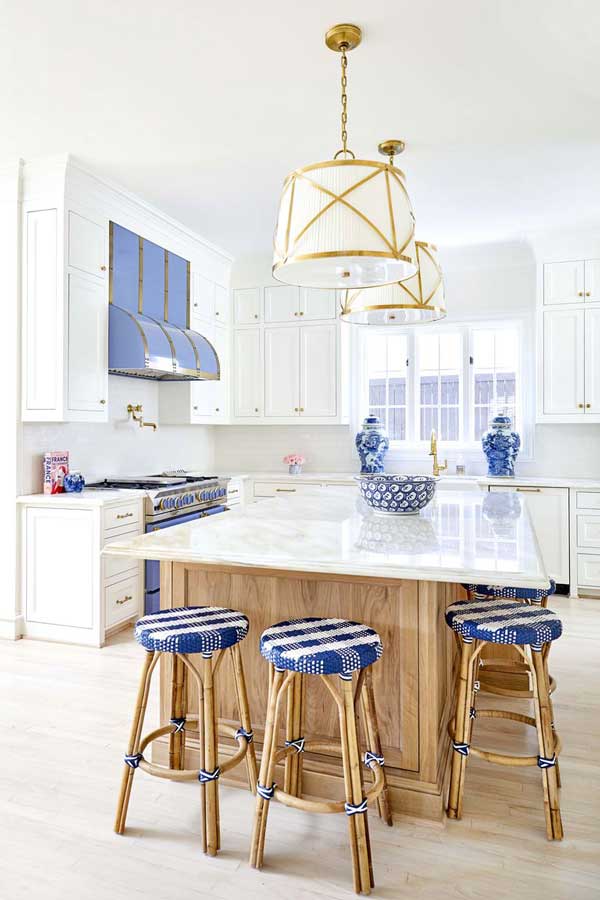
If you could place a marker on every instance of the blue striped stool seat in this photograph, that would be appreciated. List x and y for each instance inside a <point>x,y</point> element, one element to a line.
<point>321,646</point>
<point>503,622</point>
<point>530,595</point>
<point>191,629</point>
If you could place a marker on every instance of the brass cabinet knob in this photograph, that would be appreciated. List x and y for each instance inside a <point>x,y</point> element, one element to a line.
<point>588,293</point>
<point>301,314</point>
<point>103,402</point>
<point>103,268</point>
<point>195,408</point>
<point>580,406</point>
<point>295,313</point>
<point>301,409</point>
<point>580,293</point>
<point>256,315</point>
<point>588,405</point>
<point>216,313</point>
<point>296,409</point>
<point>217,409</point>
<point>256,409</point>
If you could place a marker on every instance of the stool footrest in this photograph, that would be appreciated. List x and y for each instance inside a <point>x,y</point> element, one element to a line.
<point>506,759</point>
<point>237,734</point>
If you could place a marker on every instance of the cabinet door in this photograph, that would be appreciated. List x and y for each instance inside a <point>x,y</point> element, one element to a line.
<point>592,361</point>
<point>282,372</point>
<point>592,280</point>
<point>318,370</point>
<point>87,245</point>
<point>564,282</point>
<point>549,512</point>
<point>221,304</point>
<point>246,306</point>
<point>210,398</point>
<point>58,594</point>
<point>282,304</point>
<point>88,346</point>
<point>202,299</point>
<point>248,374</point>
<point>563,369</point>
<point>317,304</point>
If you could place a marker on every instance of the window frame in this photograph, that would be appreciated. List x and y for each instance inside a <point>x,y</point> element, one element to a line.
<point>467,446</point>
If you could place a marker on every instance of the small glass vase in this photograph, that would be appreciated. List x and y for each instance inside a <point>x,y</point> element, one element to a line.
<point>295,469</point>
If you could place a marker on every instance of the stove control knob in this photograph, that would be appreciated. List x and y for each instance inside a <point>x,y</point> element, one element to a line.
<point>162,504</point>
<point>189,498</point>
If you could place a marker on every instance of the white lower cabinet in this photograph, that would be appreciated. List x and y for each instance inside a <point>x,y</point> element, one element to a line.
<point>549,511</point>
<point>585,542</point>
<point>69,592</point>
<point>283,488</point>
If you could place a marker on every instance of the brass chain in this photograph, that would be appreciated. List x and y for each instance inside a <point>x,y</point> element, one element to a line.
<point>344,102</point>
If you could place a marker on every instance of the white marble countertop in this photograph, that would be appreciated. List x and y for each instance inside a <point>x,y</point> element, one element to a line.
<point>86,497</point>
<point>445,480</point>
<point>461,536</point>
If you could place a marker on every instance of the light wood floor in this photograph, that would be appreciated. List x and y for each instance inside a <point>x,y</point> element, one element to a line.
<point>65,717</point>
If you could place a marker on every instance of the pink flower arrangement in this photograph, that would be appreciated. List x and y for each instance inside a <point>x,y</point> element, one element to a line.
<point>294,459</point>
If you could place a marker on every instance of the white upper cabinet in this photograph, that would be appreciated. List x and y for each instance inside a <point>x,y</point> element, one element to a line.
<point>564,282</point>
<point>248,373</point>
<point>282,303</point>
<point>210,399</point>
<point>317,304</point>
<point>592,280</point>
<point>221,304</point>
<point>592,361</point>
<point>569,342</point>
<point>87,348</point>
<point>87,249</point>
<point>282,372</point>
<point>563,368</point>
<point>246,303</point>
<point>202,299</point>
<point>318,365</point>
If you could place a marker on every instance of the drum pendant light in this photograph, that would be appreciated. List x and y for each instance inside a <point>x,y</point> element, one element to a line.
<point>346,222</point>
<point>413,301</point>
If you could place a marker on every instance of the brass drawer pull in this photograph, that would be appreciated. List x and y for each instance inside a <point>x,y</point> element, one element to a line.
<point>124,600</point>
<point>124,515</point>
<point>526,490</point>
<point>286,490</point>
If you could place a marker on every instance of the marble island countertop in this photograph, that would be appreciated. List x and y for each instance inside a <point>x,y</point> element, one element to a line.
<point>460,537</point>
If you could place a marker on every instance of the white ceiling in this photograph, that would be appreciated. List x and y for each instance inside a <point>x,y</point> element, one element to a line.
<point>202,108</point>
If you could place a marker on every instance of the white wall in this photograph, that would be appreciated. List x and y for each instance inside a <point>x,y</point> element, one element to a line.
<point>494,280</point>
<point>119,447</point>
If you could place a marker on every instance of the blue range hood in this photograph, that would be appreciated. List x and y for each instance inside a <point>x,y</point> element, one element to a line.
<point>148,333</point>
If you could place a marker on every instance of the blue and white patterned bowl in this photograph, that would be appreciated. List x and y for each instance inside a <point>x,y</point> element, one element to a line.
<point>397,495</point>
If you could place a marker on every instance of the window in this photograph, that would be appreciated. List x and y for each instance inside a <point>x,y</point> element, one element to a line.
<point>448,380</point>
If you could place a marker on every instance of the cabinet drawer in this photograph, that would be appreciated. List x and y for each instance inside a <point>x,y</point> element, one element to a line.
<point>277,489</point>
<point>588,500</point>
<point>122,600</point>
<point>113,566</point>
<point>588,532</point>
<point>118,516</point>
<point>588,569</point>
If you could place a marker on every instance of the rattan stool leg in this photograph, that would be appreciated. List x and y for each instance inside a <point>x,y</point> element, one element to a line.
<point>293,732</point>
<point>545,652</point>
<point>461,730</point>
<point>373,740</point>
<point>244,711</point>
<point>178,709</point>
<point>267,765</point>
<point>134,739</point>
<point>210,788</point>
<point>357,822</point>
<point>547,744</point>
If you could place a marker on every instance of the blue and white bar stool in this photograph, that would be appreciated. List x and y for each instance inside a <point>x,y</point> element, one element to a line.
<point>531,630</point>
<point>184,634</point>
<point>333,650</point>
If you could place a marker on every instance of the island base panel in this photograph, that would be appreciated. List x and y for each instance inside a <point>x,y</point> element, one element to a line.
<point>413,680</point>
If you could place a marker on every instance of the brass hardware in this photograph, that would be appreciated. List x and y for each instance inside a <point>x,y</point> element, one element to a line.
<point>437,468</point>
<point>296,313</point>
<point>124,600</point>
<point>136,414</point>
<point>296,409</point>
<point>256,315</point>
<point>588,405</point>
<point>103,402</point>
<point>195,305</point>
<point>391,148</point>
<point>301,409</point>
<point>285,490</point>
<point>216,312</point>
<point>525,490</point>
<point>217,409</point>
<point>343,36</point>
<point>124,515</point>
<point>256,409</point>
<point>103,268</point>
<point>588,293</point>
<point>195,407</point>
<point>580,293</point>
<point>580,406</point>
<point>300,313</point>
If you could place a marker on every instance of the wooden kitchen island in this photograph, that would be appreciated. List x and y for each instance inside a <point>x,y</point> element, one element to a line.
<point>328,555</point>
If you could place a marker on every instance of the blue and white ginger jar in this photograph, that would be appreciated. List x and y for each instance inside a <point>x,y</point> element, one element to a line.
<point>372,444</point>
<point>501,446</point>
